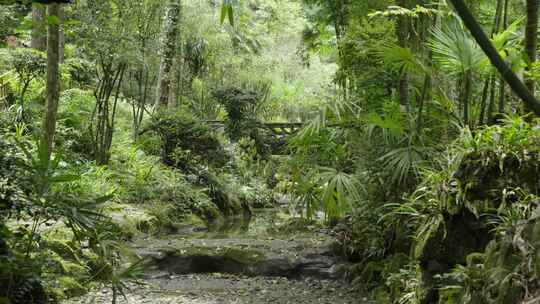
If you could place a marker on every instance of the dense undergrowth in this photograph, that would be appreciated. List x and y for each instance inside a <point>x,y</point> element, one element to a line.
<point>64,222</point>
<point>407,143</point>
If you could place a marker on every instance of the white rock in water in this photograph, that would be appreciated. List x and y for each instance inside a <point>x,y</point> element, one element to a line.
<point>282,199</point>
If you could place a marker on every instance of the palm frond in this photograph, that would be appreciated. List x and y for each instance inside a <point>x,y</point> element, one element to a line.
<point>402,59</point>
<point>455,50</point>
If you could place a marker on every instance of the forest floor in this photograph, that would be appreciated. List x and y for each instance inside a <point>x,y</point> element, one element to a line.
<point>263,261</point>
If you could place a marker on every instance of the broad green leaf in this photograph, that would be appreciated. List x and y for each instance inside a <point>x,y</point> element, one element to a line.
<point>64,178</point>
<point>53,20</point>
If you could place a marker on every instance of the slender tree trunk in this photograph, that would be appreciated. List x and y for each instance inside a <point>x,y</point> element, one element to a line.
<point>505,14</point>
<point>402,32</point>
<point>170,33</point>
<point>426,88</point>
<point>404,89</point>
<point>498,17</point>
<point>114,295</point>
<point>53,84</point>
<point>483,100</point>
<point>103,116</point>
<point>466,97</point>
<point>491,104</point>
<point>173,87</point>
<point>531,40</point>
<point>509,76</point>
<point>39,32</point>
<point>501,18</point>
<point>502,97</point>
<point>62,36</point>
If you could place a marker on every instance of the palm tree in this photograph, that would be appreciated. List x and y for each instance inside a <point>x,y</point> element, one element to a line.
<point>459,55</point>
<point>508,75</point>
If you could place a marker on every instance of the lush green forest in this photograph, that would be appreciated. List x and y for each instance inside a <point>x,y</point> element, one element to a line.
<point>269,151</point>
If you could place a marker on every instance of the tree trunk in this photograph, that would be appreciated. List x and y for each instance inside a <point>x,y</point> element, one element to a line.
<point>505,14</point>
<point>491,105</point>
<point>170,33</point>
<point>498,18</point>
<point>173,86</point>
<point>531,40</point>
<point>509,76</point>
<point>39,33</point>
<point>103,116</point>
<point>402,32</point>
<point>62,36</point>
<point>466,95</point>
<point>53,84</point>
<point>483,100</point>
<point>502,97</point>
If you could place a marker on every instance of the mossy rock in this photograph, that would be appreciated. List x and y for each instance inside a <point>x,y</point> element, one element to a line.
<point>448,239</point>
<point>132,219</point>
<point>296,224</point>
<point>210,213</point>
<point>69,287</point>
<point>63,249</point>
<point>212,259</point>
<point>483,176</point>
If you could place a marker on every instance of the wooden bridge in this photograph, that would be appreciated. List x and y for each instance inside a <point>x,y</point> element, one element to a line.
<point>281,128</point>
<point>278,129</point>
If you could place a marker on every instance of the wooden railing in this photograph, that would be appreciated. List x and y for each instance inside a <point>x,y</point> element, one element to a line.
<point>5,87</point>
<point>277,128</point>
<point>282,128</point>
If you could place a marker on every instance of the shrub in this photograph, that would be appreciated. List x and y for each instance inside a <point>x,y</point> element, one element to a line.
<point>243,105</point>
<point>484,192</point>
<point>186,142</point>
<point>74,113</point>
<point>29,65</point>
<point>80,71</point>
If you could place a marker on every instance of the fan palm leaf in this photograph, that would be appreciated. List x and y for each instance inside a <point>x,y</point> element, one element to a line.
<point>455,50</point>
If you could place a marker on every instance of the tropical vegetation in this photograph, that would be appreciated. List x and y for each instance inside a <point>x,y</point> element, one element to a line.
<point>406,129</point>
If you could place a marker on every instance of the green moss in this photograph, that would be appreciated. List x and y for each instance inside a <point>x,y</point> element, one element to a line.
<point>62,248</point>
<point>208,212</point>
<point>59,232</point>
<point>450,296</point>
<point>69,287</point>
<point>132,219</point>
<point>244,255</point>
<point>193,220</point>
<point>295,225</point>
<point>381,295</point>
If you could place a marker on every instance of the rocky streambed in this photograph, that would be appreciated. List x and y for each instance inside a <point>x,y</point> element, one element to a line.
<point>253,264</point>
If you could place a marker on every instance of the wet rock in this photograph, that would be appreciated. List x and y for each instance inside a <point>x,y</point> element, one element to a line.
<point>287,258</point>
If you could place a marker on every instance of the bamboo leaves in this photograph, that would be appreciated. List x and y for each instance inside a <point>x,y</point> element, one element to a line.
<point>227,11</point>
